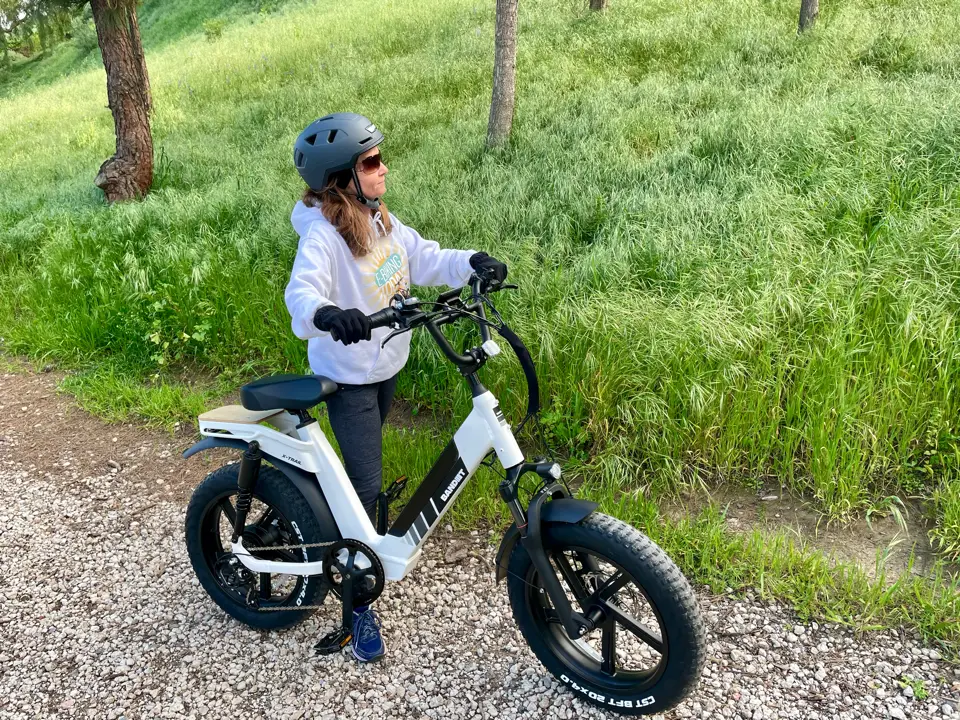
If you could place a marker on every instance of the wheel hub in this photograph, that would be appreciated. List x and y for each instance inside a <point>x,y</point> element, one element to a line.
<point>259,536</point>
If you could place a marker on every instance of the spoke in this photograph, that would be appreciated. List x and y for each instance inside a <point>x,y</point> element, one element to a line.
<point>609,647</point>
<point>265,590</point>
<point>227,508</point>
<point>573,580</point>
<point>650,637</point>
<point>589,562</point>
<point>614,585</point>
<point>267,518</point>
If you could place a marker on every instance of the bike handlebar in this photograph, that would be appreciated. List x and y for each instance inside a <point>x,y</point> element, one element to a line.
<point>413,317</point>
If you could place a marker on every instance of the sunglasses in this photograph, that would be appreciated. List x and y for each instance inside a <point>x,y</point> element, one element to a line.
<point>371,164</point>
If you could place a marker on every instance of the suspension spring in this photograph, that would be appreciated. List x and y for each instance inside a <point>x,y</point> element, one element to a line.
<point>246,482</point>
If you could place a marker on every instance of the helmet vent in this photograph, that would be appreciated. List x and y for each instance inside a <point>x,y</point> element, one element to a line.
<point>299,159</point>
<point>365,141</point>
<point>331,136</point>
<point>311,140</point>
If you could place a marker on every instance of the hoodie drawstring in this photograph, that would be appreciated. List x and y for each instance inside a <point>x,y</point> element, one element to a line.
<point>378,221</point>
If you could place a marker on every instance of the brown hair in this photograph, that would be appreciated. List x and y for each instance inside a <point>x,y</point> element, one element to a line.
<point>350,218</point>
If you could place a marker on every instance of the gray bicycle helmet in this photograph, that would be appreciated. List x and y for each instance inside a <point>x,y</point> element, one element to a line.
<point>332,144</point>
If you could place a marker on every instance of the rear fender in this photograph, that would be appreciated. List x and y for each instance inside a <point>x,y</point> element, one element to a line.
<point>563,510</point>
<point>306,483</point>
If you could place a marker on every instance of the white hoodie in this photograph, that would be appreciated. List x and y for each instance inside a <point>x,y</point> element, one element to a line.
<point>326,273</point>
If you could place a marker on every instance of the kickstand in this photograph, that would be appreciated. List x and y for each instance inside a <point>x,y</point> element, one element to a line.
<point>336,640</point>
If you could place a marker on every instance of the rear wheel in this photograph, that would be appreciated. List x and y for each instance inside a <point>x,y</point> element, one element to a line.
<point>647,650</point>
<point>279,516</point>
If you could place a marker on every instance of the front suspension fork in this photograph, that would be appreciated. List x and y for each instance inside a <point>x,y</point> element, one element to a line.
<point>528,523</point>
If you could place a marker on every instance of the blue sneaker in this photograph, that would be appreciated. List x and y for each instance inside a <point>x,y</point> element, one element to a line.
<point>367,643</point>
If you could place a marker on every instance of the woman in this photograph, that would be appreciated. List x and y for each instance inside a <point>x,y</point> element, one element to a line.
<point>352,258</point>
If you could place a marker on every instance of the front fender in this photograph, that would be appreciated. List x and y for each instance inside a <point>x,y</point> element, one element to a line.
<point>306,483</point>
<point>562,510</point>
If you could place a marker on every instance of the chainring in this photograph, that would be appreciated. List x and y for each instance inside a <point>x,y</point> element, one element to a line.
<point>367,583</point>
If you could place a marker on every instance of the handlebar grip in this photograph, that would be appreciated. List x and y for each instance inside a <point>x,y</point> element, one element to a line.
<point>383,318</point>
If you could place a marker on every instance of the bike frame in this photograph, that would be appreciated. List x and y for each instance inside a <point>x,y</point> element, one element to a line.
<point>306,447</point>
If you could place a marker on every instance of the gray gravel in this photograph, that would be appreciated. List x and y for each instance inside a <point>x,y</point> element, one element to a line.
<point>101,616</point>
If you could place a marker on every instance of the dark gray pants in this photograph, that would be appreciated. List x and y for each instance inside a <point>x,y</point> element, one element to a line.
<point>357,414</point>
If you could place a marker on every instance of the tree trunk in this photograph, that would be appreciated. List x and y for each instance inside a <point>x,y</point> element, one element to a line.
<point>504,73</point>
<point>43,31</point>
<point>809,10</point>
<point>598,4</point>
<point>129,173</point>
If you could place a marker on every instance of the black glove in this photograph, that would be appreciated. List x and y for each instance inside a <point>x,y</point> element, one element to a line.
<point>347,326</point>
<point>488,267</point>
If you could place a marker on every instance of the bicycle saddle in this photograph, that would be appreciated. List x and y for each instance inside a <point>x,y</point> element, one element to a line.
<point>286,392</point>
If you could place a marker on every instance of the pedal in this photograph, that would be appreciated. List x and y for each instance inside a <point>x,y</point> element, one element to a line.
<point>385,499</point>
<point>333,642</point>
<point>393,492</point>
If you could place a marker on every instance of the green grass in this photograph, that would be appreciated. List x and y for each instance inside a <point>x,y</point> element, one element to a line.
<point>946,534</point>
<point>161,23</point>
<point>737,249</point>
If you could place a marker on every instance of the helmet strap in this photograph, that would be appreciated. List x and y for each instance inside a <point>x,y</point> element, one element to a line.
<point>373,204</point>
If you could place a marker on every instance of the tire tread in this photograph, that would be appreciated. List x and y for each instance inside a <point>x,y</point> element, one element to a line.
<point>644,552</point>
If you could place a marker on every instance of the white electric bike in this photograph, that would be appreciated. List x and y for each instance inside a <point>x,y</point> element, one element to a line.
<point>602,607</point>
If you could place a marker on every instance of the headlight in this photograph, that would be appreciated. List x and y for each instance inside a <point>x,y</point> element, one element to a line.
<point>554,471</point>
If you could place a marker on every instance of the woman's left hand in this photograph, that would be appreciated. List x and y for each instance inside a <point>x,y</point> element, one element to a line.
<point>489,266</point>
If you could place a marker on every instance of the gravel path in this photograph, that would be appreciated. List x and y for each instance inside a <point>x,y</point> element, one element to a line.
<point>101,616</point>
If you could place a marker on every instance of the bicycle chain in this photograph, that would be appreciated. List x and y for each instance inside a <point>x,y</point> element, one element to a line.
<point>290,547</point>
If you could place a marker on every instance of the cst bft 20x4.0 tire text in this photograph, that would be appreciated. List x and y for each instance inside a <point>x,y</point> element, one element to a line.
<point>609,560</point>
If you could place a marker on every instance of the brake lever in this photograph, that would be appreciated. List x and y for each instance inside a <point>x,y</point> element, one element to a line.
<point>393,334</point>
<point>404,324</point>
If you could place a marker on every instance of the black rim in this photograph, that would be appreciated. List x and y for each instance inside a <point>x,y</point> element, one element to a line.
<point>266,526</point>
<point>627,652</point>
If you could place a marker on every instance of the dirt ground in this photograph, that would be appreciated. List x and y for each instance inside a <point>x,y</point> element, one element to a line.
<point>879,544</point>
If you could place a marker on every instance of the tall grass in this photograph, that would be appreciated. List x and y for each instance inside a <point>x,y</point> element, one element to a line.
<point>161,22</point>
<point>737,250</point>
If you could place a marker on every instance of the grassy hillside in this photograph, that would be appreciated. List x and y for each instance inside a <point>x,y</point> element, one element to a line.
<point>161,22</point>
<point>737,249</point>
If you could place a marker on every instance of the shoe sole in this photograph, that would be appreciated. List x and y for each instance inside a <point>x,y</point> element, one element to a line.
<point>367,660</point>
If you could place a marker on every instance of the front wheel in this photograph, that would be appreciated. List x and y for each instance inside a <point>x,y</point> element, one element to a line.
<point>646,652</point>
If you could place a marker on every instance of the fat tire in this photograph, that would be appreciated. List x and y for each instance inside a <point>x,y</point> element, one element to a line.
<point>275,489</point>
<point>659,577</point>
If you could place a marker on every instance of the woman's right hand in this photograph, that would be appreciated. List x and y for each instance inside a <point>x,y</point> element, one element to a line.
<point>348,326</point>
